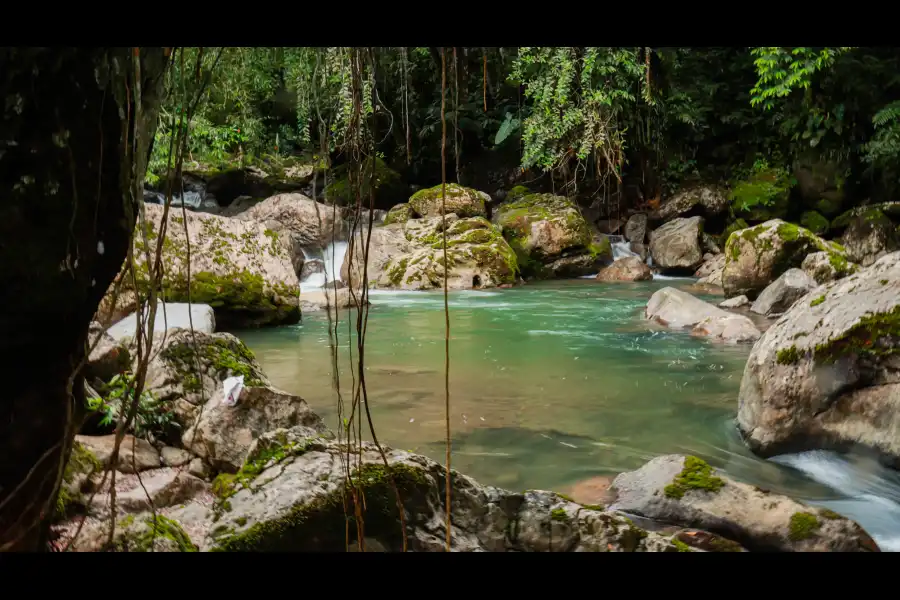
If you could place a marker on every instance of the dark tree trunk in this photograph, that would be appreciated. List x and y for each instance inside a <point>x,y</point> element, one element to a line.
<point>67,213</point>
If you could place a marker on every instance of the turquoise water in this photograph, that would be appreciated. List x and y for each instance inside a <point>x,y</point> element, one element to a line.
<point>551,384</point>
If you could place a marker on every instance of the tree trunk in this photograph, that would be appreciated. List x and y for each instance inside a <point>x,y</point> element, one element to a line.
<point>66,219</point>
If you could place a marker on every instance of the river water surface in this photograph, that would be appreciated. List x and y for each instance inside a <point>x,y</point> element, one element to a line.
<point>555,383</point>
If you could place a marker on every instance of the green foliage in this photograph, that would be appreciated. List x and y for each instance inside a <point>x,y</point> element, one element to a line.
<point>153,418</point>
<point>763,194</point>
<point>782,70</point>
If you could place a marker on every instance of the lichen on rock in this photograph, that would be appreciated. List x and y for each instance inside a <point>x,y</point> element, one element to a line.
<point>462,201</point>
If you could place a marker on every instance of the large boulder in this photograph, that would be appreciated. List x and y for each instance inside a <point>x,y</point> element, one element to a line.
<point>676,246</point>
<point>781,294</point>
<point>706,201</point>
<point>636,228</point>
<point>240,268</point>
<point>386,243</point>
<point>825,267</point>
<point>543,227</point>
<point>630,268</point>
<point>825,375</point>
<point>756,256</point>
<point>477,256</point>
<point>679,310</point>
<point>462,201</point>
<point>820,184</point>
<point>687,491</point>
<point>869,236</point>
<point>169,315</point>
<point>303,221</point>
<point>135,455</point>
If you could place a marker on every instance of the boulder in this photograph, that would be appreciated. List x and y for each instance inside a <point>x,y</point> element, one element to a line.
<point>240,268</point>
<point>300,219</point>
<point>308,477</point>
<point>820,184</point>
<point>223,434</point>
<point>825,267</point>
<point>542,227</point>
<point>825,375</point>
<point>462,201</point>
<point>736,302</point>
<point>636,228</point>
<point>477,256</point>
<point>631,268</point>
<point>869,236</point>
<point>781,294</point>
<point>755,257</point>
<point>687,491</point>
<point>157,489</point>
<point>676,245</point>
<point>169,315</point>
<point>108,357</point>
<point>401,213</point>
<point>319,300</point>
<point>711,269</point>
<point>135,454</point>
<point>174,457</point>
<point>675,309</point>
<point>705,201</point>
<point>386,243</point>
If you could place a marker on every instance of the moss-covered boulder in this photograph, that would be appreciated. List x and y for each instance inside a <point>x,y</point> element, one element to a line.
<point>736,225</point>
<point>826,267</point>
<point>301,220</point>
<point>462,201</point>
<point>756,256</point>
<point>400,213</point>
<point>687,491</point>
<point>825,374</point>
<point>815,222</point>
<point>762,196</point>
<point>295,497</point>
<point>389,187</point>
<point>869,235</point>
<point>820,184</point>
<point>706,201</point>
<point>240,268</point>
<point>542,228</point>
<point>82,466</point>
<point>477,256</point>
<point>890,209</point>
<point>385,244</point>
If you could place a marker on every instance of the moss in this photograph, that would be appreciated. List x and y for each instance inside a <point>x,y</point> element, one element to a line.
<point>802,526</point>
<point>720,544</point>
<point>565,497</point>
<point>788,356</point>
<point>818,301</point>
<point>738,225</point>
<point>696,475</point>
<point>517,192</point>
<point>340,190</point>
<point>883,281</point>
<point>873,336</point>
<point>156,528</point>
<point>401,213</point>
<point>681,546</point>
<point>559,514</point>
<point>602,250</point>
<point>829,514</point>
<point>322,524</point>
<point>597,507</point>
<point>81,462</point>
<point>815,222</point>
<point>463,201</point>
<point>842,267</point>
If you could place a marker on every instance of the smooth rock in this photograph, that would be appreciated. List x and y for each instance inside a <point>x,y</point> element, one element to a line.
<point>135,454</point>
<point>676,245</point>
<point>781,294</point>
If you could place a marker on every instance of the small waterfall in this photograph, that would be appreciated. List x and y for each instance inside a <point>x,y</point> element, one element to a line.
<point>330,269</point>
<point>621,248</point>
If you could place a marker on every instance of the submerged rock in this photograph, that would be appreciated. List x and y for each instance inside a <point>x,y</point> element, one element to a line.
<point>462,201</point>
<point>686,491</point>
<point>755,257</point>
<point>240,268</point>
<point>825,375</point>
<point>630,268</point>
<point>675,309</point>
<point>676,245</point>
<point>781,294</point>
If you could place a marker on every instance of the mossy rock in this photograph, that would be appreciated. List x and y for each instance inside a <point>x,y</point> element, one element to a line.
<point>389,186</point>
<point>461,201</point>
<point>815,222</point>
<point>82,463</point>
<point>762,196</point>
<point>401,213</point>
<point>737,225</point>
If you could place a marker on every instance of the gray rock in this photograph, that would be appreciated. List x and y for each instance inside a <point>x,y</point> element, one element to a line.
<point>824,267</point>
<point>736,302</point>
<point>630,268</point>
<point>710,272</point>
<point>174,457</point>
<point>198,468</point>
<point>159,488</point>
<point>732,329</point>
<point>135,454</point>
<point>676,309</point>
<point>108,357</point>
<point>636,228</point>
<point>169,315</point>
<point>706,199</point>
<point>710,244</point>
<point>686,491</point>
<point>869,236</point>
<point>781,294</point>
<point>826,373</point>
<point>676,245</point>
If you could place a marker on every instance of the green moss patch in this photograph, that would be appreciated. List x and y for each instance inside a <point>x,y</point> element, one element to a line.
<point>156,529</point>
<point>815,222</point>
<point>803,526</point>
<point>226,357</point>
<point>873,336</point>
<point>763,195</point>
<point>696,475</point>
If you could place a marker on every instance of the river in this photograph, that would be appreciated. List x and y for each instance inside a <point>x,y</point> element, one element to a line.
<point>558,382</point>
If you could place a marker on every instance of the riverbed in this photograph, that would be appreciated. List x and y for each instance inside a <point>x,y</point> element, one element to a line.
<point>555,383</point>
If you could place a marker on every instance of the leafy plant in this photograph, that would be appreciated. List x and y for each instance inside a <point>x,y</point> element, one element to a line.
<point>153,419</point>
